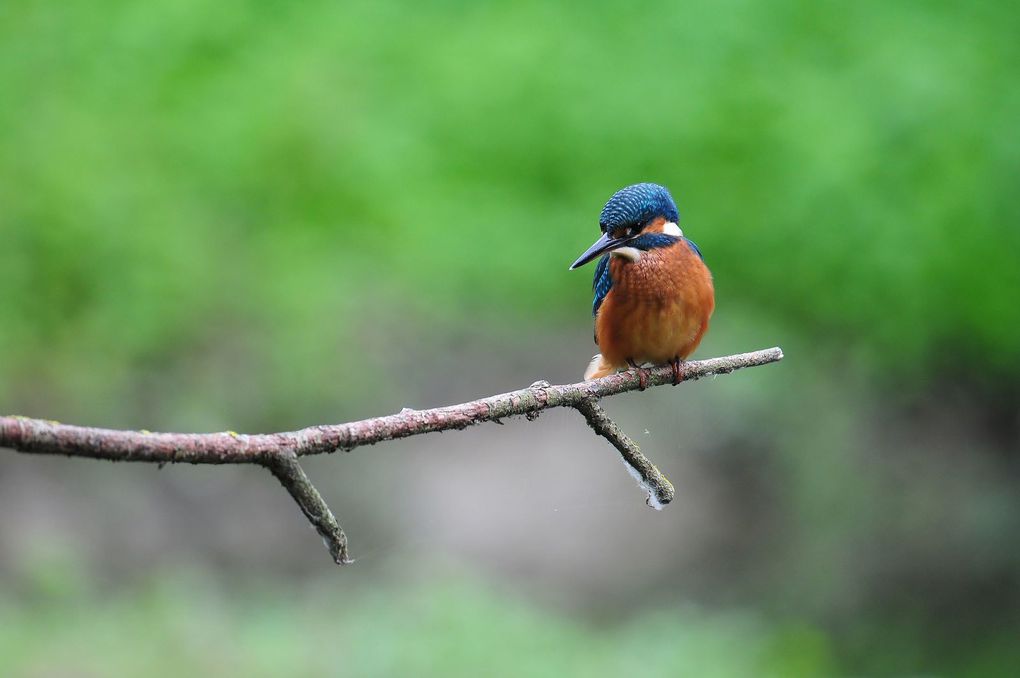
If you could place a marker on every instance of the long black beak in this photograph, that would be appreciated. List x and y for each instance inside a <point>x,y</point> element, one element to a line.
<point>603,244</point>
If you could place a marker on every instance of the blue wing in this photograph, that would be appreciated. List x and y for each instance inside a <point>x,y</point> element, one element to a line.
<point>695,248</point>
<point>601,284</point>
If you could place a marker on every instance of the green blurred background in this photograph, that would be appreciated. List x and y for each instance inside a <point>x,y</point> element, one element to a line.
<point>261,216</point>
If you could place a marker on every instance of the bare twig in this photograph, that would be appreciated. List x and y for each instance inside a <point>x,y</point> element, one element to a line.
<point>660,490</point>
<point>290,474</point>
<point>279,451</point>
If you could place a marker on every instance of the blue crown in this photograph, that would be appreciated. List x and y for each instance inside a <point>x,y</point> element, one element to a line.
<point>637,205</point>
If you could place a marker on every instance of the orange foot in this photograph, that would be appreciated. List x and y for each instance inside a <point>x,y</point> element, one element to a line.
<point>642,375</point>
<point>678,375</point>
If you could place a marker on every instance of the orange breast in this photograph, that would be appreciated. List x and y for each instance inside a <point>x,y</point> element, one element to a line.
<point>658,307</point>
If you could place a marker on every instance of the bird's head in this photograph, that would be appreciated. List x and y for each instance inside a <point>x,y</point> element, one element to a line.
<point>630,213</point>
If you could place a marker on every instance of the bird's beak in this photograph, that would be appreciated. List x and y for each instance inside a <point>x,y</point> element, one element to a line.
<point>604,244</point>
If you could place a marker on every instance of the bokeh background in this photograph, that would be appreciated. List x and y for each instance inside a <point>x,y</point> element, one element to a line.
<point>258,216</point>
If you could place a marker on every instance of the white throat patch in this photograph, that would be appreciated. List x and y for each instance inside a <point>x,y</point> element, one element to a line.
<point>630,253</point>
<point>669,228</point>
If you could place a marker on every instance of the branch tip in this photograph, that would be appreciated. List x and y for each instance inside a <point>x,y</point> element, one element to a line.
<point>650,478</point>
<point>290,474</point>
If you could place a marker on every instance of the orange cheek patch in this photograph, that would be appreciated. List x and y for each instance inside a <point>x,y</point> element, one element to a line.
<point>656,226</point>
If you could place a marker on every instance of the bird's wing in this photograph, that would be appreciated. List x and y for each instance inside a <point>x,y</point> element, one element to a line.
<point>695,248</point>
<point>600,286</point>
<point>601,283</point>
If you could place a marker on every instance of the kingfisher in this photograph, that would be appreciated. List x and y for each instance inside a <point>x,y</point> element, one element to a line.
<point>653,293</point>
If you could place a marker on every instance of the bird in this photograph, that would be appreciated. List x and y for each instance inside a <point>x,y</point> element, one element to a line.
<point>653,293</point>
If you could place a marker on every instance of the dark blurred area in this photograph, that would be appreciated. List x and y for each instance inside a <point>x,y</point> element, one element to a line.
<point>262,216</point>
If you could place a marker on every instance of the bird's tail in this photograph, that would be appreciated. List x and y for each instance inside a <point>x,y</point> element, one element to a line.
<point>598,367</point>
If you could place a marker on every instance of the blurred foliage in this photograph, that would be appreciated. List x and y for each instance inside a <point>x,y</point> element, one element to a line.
<point>174,625</point>
<point>172,173</point>
<point>239,214</point>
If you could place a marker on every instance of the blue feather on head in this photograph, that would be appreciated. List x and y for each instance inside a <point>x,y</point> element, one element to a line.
<point>637,205</point>
<point>632,208</point>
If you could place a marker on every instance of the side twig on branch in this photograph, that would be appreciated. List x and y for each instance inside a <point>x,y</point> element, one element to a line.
<point>290,474</point>
<point>279,452</point>
<point>660,490</point>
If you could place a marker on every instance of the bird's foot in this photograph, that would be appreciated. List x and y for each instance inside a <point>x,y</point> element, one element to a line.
<point>642,375</point>
<point>678,374</point>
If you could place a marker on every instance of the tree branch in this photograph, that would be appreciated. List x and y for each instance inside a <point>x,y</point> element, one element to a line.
<point>279,451</point>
